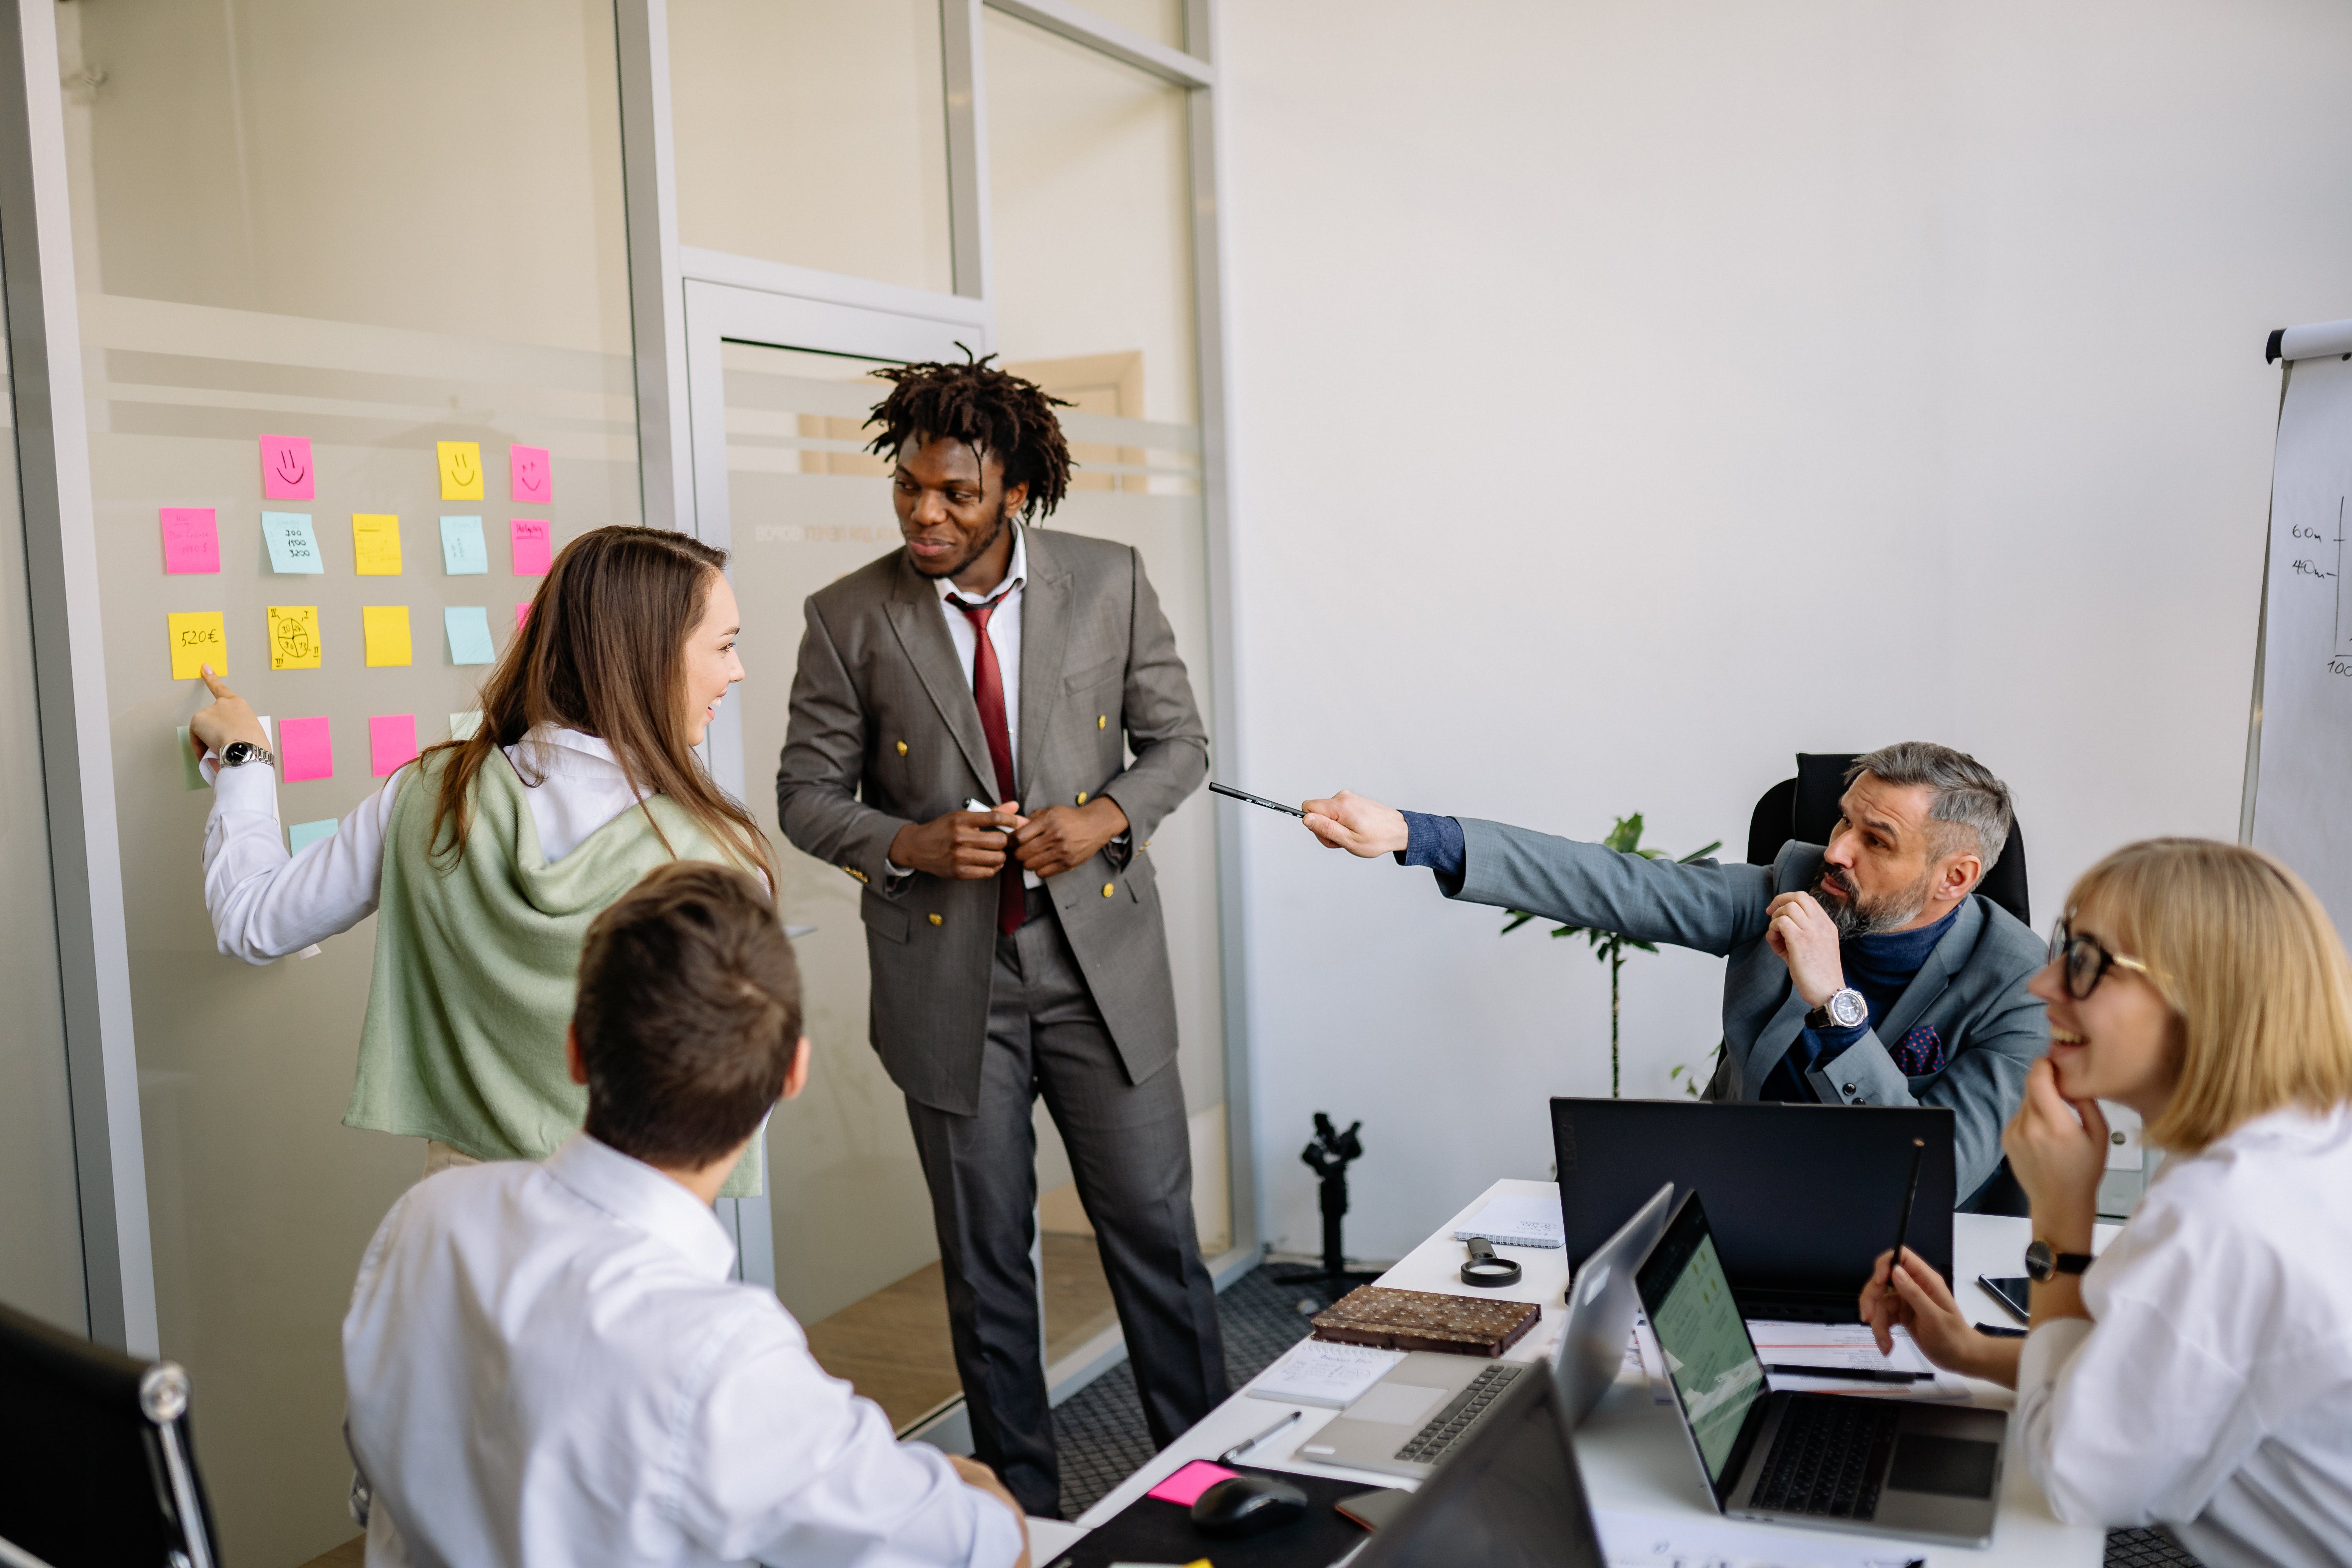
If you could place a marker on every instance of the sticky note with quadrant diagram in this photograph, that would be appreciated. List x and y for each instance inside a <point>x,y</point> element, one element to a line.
<point>293,546</point>
<point>461,469</point>
<point>306,750</point>
<point>285,471</point>
<point>294,642</point>
<point>533,481</point>
<point>375,541</point>
<point>191,540</point>
<point>392,741</point>
<point>198,637</point>
<point>532,554</point>
<point>469,634</point>
<point>463,552</point>
<point>386,628</point>
<point>302,835</point>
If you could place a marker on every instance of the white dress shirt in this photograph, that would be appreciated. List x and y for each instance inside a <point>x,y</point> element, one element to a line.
<point>266,903</point>
<point>547,1364</point>
<point>2213,1389</point>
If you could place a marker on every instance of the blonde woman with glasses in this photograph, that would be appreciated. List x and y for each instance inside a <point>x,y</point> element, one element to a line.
<point>2199,1373</point>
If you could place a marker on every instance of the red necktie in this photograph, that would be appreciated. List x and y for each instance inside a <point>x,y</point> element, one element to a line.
<point>988,696</point>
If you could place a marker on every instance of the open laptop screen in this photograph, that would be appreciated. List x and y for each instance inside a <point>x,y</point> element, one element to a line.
<point>1512,1498</point>
<point>1712,1364</point>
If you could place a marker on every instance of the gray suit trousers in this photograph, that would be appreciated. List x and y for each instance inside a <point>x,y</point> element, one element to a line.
<point>1133,1160</point>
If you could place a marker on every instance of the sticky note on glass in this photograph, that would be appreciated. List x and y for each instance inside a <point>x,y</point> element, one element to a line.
<point>463,552</point>
<point>376,540</point>
<point>387,635</point>
<point>392,741</point>
<point>192,542</point>
<point>469,634</point>
<point>522,615</point>
<point>463,725</point>
<point>198,638</point>
<point>306,750</point>
<point>461,469</point>
<point>532,552</point>
<point>533,481</point>
<point>190,775</point>
<point>294,637</point>
<point>293,547</point>
<point>302,835</point>
<point>286,472</point>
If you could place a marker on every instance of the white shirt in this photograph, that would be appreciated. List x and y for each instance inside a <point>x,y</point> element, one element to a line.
<point>547,1364</point>
<point>266,903</point>
<point>2213,1389</point>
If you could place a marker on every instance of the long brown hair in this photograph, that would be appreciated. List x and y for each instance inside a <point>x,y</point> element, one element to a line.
<point>603,651</point>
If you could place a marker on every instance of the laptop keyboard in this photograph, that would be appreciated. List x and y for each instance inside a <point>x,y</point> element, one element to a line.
<point>1827,1457</point>
<point>1432,1442</point>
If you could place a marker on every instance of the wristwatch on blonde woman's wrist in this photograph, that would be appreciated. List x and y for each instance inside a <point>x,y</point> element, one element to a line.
<point>237,754</point>
<point>2042,1263</point>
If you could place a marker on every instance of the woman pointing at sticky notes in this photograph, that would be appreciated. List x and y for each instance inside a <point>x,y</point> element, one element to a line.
<point>486,858</point>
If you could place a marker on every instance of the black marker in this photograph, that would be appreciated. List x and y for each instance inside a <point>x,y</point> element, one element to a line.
<point>1257,800</point>
<point>1850,1373</point>
<point>1910,1195</point>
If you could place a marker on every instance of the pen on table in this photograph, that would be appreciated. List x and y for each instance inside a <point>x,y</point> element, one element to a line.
<point>1244,1447</point>
<point>1850,1373</point>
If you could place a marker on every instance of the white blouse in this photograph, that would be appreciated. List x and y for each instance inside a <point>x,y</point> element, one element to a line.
<point>2213,1390</point>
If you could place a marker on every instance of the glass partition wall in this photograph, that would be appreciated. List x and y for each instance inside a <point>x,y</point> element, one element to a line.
<point>383,228</point>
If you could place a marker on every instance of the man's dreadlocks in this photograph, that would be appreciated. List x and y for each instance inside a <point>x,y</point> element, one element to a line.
<point>993,412</point>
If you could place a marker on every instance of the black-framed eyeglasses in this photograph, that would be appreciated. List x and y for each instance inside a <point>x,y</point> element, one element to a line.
<point>2085,962</point>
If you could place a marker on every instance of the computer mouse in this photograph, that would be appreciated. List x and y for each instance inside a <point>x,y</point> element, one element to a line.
<point>1244,1505</point>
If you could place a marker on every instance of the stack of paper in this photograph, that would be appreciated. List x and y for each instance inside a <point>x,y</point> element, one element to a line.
<point>1517,1220</point>
<point>1316,1371</point>
<point>1848,1347</point>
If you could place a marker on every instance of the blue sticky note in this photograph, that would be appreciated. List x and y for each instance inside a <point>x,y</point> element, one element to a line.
<point>463,554</point>
<point>292,546</point>
<point>469,634</point>
<point>302,835</point>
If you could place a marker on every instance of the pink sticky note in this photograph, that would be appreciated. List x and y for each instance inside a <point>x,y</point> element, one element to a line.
<point>522,615</point>
<point>1189,1482</point>
<point>533,480</point>
<point>531,556</point>
<point>190,540</point>
<point>392,740</point>
<point>305,749</point>
<point>285,471</point>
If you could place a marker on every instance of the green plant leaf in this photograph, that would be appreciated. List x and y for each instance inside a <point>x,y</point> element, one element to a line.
<point>1700,853</point>
<point>1518,919</point>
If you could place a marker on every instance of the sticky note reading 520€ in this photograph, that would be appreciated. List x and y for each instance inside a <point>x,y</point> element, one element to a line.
<point>461,469</point>
<point>294,637</point>
<point>198,638</point>
<point>375,541</point>
<point>387,635</point>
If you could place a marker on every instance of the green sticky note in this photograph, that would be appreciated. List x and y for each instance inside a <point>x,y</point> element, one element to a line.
<point>469,634</point>
<point>302,835</point>
<point>293,546</point>
<point>190,777</point>
<point>463,552</point>
<point>463,725</point>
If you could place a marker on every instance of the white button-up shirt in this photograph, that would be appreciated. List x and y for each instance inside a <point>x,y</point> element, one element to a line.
<point>548,1364</point>
<point>1003,636</point>
<point>2213,1389</point>
<point>266,903</point>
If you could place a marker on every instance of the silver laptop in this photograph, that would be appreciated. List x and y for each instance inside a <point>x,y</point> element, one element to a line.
<point>1828,1461</point>
<point>1431,1403</point>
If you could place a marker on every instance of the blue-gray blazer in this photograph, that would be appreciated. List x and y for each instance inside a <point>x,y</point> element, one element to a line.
<point>1971,990</point>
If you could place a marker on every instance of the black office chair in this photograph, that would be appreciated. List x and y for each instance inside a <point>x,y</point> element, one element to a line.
<point>1805,808</point>
<point>97,1463</point>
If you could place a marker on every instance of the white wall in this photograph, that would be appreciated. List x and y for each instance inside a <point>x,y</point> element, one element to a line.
<point>1629,395</point>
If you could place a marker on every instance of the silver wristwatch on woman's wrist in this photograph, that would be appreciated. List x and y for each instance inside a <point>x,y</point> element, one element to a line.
<point>237,754</point>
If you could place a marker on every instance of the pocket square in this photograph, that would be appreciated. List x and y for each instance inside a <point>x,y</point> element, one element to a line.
<point>1920,1052</point>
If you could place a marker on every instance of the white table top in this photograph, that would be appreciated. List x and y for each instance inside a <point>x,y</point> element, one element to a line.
<point>1632,1450</point>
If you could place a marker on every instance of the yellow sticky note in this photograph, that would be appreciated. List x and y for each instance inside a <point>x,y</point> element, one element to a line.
<point>387,634</point>
<point>198,638</point>
<point>293,636</point>
<point>461,469</point>
<point>376,540</point>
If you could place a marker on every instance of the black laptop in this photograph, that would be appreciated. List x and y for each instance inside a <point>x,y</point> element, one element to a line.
<point>1803,1197</point>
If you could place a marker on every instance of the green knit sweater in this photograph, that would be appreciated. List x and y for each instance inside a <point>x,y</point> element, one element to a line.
<point>477,966</point>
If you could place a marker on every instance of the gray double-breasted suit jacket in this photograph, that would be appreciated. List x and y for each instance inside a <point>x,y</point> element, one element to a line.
<point>884,732</point>
<point>1971,990</point>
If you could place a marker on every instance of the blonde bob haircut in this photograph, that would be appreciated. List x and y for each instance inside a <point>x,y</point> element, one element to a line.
<point>2251,967</point>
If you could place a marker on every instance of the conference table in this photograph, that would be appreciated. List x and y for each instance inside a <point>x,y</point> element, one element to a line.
<point>1631,1449</point>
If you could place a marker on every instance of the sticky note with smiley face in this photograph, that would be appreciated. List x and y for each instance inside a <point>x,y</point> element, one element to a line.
<point>533,482</point>
<point>461,469</point>
<point>286,471</point>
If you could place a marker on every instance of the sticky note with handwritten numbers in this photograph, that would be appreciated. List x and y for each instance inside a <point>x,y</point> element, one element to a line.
<point>198,637</point>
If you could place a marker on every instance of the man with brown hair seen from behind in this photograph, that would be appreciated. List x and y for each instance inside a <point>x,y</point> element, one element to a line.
<point>549,1363</point>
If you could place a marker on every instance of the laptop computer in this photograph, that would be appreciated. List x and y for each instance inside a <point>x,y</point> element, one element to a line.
<point>1829,1461</point>
<point>1431,1405</point>
<point>1511,1496</point>
<point>1804,1197</point>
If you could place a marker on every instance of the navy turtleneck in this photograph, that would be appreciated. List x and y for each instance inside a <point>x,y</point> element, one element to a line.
<point>1880,966</point>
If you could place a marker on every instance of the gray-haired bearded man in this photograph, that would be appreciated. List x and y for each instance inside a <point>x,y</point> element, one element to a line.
<point>1864,971</point>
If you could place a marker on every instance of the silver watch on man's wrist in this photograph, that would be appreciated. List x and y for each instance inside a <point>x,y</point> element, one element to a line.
<point>237,754</point>
<point>1843,1010</point>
